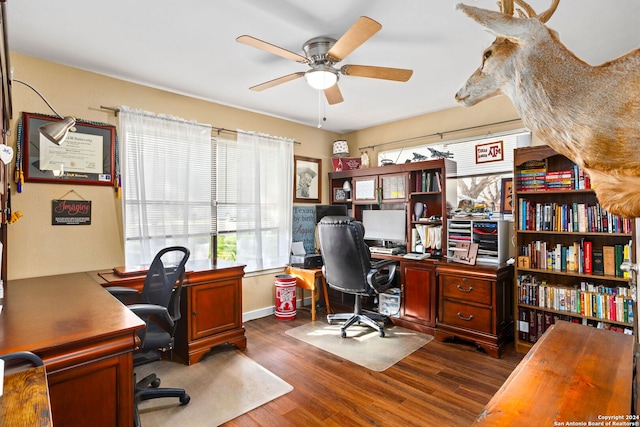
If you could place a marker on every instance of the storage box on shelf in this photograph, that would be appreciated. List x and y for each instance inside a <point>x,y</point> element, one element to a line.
<point>491,236</point>
<point>568,250</point>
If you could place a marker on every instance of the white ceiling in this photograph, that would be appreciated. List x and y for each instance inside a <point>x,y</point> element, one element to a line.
<point>188,47</point>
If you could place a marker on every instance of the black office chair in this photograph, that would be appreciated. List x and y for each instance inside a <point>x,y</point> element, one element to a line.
<point>20,360</point>
<point>160,310</point>
<point>348,268</point>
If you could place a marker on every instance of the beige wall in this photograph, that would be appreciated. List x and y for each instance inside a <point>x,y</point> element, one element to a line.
<point>35,248</point>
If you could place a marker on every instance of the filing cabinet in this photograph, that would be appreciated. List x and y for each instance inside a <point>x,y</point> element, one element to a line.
<point>475,304</point>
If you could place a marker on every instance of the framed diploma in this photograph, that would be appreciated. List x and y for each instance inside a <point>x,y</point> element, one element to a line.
<point>87,156</point>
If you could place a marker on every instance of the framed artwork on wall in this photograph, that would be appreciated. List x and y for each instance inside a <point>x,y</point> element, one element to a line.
<point>506,196</point>
<point>87,156</point>
<point>307,179</point>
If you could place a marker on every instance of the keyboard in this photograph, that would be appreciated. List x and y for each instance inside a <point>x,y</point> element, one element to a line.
<point>383,250</point>
<point>416,255</point>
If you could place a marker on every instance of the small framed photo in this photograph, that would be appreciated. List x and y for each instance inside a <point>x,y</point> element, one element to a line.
<point>339,195</point>
<point>307,179</point>
<point>506,196</point>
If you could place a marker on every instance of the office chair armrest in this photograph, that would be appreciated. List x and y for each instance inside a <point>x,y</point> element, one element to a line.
<point>376,268</point>
<point>147,310</point>
<point>120,290</point>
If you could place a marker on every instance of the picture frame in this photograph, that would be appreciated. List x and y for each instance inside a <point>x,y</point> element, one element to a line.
<point>339,195</point>
<point>490,152</point>
<point>87,156</point>
<point>506,196</point>
<point>307,179</point>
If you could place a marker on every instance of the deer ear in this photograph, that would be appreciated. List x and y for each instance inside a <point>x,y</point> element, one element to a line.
<point>500,24</point>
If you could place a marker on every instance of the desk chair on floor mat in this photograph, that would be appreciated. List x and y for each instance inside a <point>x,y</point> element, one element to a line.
<point>160,310</point>
<point>348,268</point>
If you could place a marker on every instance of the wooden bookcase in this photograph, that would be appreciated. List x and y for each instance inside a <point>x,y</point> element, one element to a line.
<point>560,233</point>
<point>399,186</point>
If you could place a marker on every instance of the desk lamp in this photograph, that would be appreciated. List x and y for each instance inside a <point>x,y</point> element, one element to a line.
<point>55,132</point>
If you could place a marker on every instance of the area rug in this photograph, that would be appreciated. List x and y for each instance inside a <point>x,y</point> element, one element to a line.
<point>362,345</point>
<point>223,386</point>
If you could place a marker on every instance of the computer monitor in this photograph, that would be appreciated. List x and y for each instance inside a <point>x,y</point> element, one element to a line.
<point>388,225</point>
<point>330,210</point>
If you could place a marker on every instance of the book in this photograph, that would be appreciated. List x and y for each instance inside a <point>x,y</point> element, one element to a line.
<point>609,260</point>
<point>587,247</point>
<point>598,261</point>
<point>619,257</point>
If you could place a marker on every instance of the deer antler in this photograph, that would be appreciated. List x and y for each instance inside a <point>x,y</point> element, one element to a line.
<point>507,8</point>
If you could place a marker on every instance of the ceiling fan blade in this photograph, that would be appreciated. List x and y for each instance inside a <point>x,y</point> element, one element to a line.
<point>276,82</point>
<point>363,29</point>
<point>271,48</point>
<point>333,95</point>
<point>396,74</point>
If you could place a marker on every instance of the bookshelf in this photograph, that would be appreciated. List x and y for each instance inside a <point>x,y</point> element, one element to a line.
<point>568,250</point>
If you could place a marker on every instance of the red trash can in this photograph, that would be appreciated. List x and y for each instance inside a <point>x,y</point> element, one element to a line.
<point>285,297</point>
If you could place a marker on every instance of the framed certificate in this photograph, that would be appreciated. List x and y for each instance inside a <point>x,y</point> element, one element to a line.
<point>87,156</point>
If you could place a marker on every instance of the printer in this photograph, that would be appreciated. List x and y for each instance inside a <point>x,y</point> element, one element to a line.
<point>299,257</point>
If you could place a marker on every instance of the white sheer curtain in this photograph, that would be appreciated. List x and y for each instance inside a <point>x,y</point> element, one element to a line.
<point>167,176</point>
<point>264,182</point>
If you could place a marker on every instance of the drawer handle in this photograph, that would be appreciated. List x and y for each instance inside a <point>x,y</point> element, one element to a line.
<point>465,290</point>
<point>465,318</point>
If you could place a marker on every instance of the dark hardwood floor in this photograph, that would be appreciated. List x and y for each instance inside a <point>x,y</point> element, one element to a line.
<point>441,384</point>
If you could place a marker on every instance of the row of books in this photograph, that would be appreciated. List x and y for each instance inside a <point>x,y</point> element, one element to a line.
<point>534,176</point>
<point>427,181</point>
<point>587,299</point>
<point>574,217</point>
<point>581,257</point>
<point>533,323</point>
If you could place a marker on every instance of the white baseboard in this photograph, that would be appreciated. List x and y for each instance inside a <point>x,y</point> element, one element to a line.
<point>267,311</point>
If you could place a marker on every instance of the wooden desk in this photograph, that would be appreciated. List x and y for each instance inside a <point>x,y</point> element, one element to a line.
<point>211,306</point>
<point>573,373</point>
<point>25,401</point>
<point>86,339</point>
<point>306,278</point>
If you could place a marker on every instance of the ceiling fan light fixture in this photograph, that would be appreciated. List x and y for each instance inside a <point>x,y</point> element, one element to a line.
<point>321,78</point>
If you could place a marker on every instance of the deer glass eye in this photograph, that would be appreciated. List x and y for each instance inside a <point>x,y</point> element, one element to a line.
<point>486,55</point>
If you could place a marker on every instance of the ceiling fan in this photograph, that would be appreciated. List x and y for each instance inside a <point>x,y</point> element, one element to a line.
<point>323,53</point>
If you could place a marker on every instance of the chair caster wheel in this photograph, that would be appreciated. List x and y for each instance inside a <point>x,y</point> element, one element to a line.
<point>185,399</point>
<point>381,334</point>
<point>330,322</point>
<point>343,333</point>
<point>155,383</point>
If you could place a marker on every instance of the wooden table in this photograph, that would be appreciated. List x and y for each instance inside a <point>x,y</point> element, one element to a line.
<point>574,373</point>
<point>86,340</point>
<point>306,278</point>
<point>25,401</point>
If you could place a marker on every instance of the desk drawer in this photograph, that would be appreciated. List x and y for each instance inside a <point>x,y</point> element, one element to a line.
<point>466,289</point>
<point>467,316</point>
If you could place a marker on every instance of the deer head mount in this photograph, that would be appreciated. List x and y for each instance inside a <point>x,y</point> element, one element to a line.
<point>590,114</point>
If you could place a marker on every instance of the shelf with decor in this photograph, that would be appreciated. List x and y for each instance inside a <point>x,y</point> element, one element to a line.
<point>568,250</point>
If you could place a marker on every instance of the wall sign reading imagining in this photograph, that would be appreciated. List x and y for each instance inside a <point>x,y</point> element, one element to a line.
<point>71,212</point>
<point>87,156</point>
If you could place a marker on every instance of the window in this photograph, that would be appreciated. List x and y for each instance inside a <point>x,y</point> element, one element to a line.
<point>254,187</point>
<point>167,185</point>
<point>477,183</point>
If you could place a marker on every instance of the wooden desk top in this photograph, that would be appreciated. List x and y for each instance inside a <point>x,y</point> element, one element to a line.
<point>573,373</point>
<point>25,401</point>
<point>40,314</point>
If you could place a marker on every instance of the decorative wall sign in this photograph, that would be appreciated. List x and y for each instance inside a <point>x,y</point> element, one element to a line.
<point>490,152</point>
<point>304,227</point>
<point>506,196</point>
<point>87,156</point>
<point>307,179</point>
<point>71,212</point>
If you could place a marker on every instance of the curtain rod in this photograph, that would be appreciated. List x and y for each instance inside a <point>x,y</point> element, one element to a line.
<point>213,128</point>
<point>440,134</point>
<point>220,130</point>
